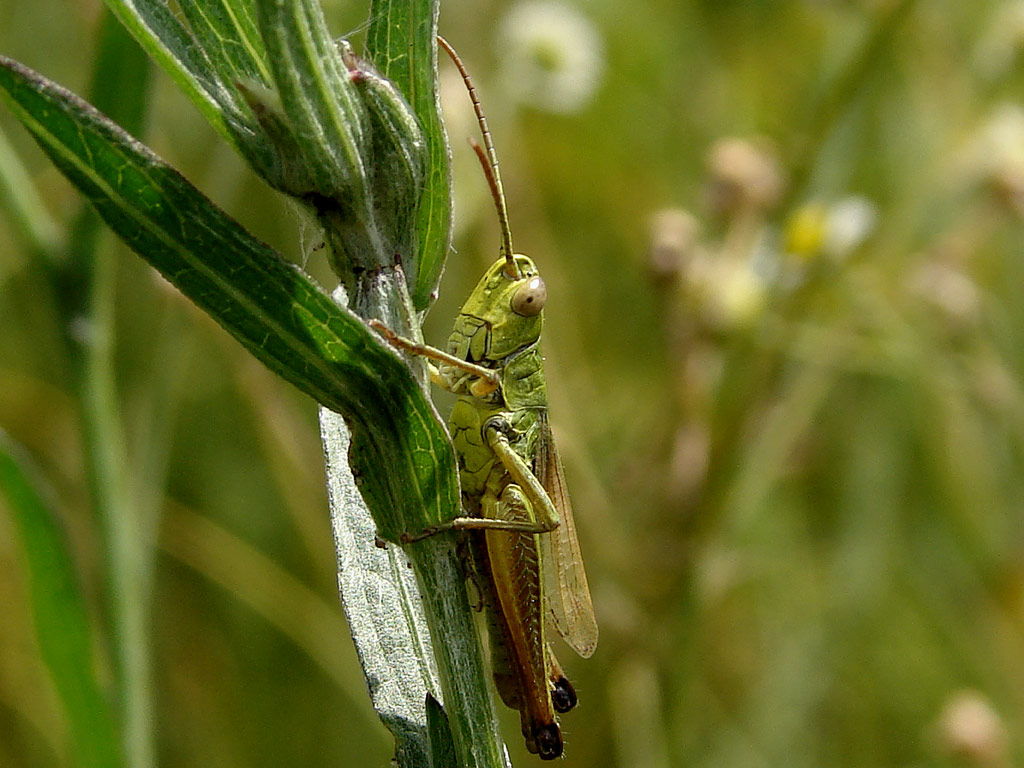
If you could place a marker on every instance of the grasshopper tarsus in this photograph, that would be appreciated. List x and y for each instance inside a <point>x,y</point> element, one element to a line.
<point>483,387</point>
<point>386,332</point>
<point>426,533</point>
<point>547,739</point>
<point>499,425</point>
<point>563,695</point>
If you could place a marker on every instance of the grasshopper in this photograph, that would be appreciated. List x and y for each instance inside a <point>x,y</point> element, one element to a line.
<point>526,556</point>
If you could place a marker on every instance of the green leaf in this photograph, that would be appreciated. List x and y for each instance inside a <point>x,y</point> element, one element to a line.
<point>318,100</point>
<point>164,37</point>
<point>119,87</point>
<point>226,30</point>
<point>402,42</point>
<point>212,56</point>
<point>329,132</point>
<point>394,612</point>
<point>413,628</point>
<point>406,461</point>
<point>61,621</point>
<point>380,597</point>
<point>442,748</point>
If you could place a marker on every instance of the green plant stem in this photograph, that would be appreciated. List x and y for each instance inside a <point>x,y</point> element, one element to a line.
<point>440,576</point>
<point>457,650</point>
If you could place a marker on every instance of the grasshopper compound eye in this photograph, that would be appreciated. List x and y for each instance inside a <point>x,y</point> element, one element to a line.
<point>529,299</point>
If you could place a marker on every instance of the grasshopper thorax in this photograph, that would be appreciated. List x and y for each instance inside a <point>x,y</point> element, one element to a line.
<point>510,307</point>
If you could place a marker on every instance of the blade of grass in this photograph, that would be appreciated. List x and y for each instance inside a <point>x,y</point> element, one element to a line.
<point>61,621</point>
<point>24,207</point>
<point>120,84</point>
<point>254,579</point>
<point>839,93</point>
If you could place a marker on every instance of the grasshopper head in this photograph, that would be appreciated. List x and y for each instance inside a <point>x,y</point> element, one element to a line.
<point>511,306</point>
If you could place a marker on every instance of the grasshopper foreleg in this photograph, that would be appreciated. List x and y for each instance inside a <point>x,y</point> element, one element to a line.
<point>487,379</point>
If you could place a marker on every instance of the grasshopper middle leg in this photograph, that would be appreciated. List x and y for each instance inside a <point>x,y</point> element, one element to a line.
<point>496,431</point>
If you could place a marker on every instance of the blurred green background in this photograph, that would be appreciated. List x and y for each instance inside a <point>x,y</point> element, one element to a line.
<point>785,346</point>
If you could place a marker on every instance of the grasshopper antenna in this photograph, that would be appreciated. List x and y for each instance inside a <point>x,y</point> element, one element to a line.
<point>489,161</point>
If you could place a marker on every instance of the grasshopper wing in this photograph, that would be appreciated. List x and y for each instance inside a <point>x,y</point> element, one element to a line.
<point>570,607</point>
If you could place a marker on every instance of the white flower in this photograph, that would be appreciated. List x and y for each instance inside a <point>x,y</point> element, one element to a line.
<point>675,237</point>
<point>850,222</point>
<point>554,56</point>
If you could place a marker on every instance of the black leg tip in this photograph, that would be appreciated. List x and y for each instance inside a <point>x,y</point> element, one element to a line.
<point>563,696</point>
<point>548,740</point>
